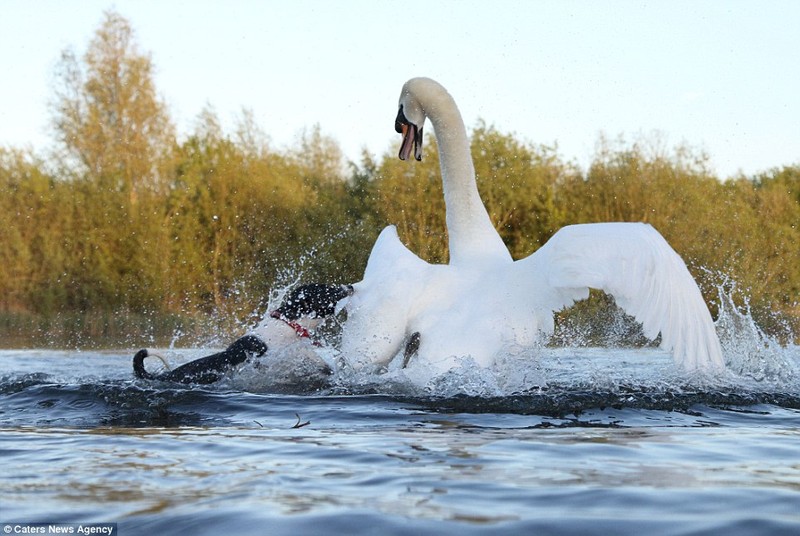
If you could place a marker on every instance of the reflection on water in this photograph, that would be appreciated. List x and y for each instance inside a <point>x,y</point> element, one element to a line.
<point>438,469</point>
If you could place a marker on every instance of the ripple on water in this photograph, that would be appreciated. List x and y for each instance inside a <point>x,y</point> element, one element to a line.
<point>592,448</point>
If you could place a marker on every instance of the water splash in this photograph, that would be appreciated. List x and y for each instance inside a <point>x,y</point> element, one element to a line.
<point>748,350</point>
<point>607,356</point>
<point>602,351</point>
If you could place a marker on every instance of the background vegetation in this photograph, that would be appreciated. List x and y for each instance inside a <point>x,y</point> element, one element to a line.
<point>127,234</point>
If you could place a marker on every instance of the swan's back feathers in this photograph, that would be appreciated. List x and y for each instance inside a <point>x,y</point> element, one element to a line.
<point>381,301</point>
<point>633,263</point>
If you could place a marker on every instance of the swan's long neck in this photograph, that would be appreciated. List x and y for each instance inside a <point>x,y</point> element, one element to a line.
<point>471,233</point>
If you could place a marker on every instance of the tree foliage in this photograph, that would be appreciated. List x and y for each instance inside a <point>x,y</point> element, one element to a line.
<point>126,219</point>
<point>107,115</point>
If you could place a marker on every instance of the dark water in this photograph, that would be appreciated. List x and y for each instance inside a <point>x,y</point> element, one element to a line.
<point>567,441</point>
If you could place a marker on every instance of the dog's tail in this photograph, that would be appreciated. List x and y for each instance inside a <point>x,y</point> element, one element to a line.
<point>138,364</point>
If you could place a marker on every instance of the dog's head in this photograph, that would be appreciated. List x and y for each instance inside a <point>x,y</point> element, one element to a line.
<point>314,300</point>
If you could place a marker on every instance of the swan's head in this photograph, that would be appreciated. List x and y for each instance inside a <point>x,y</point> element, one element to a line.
<point>412,135</point>
<point>411,118</point>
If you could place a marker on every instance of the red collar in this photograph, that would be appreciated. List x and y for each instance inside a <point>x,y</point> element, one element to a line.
<point>302,332</point>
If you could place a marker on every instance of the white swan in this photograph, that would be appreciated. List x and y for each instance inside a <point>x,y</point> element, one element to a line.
<point>483,302</point>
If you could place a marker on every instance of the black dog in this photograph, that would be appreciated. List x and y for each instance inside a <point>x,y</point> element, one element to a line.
<point>207,369</point>
<point>309,303</point>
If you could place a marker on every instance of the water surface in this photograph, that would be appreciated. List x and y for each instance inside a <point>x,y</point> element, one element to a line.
<point>583,441</point>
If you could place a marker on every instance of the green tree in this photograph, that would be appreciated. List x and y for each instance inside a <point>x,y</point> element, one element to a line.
<point>319,156</point>
<point>116,141</point>
<point>518,185</point>
<point>107,115</point>
<point>409,195</point>
<point>772,274</point>
<point>31,231</point>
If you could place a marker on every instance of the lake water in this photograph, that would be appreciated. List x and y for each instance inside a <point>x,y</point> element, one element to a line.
<point>569,440</point>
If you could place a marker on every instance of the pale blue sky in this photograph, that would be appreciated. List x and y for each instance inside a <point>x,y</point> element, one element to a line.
<point>721,76</point>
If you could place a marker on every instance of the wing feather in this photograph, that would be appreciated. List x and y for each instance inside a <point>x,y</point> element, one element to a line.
<point>633,263</point>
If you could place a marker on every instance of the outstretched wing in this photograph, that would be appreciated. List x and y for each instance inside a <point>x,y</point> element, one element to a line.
<point>633,263</point>
<point>378,311</point>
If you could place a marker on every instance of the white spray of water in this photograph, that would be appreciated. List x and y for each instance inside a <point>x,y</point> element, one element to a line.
<point>754,360</point>
<point>749,351</point>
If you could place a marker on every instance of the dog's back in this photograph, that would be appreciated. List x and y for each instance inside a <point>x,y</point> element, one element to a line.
<point>208,369</point>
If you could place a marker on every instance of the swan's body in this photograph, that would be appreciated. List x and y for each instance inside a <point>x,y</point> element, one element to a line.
<point>483,302</point>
